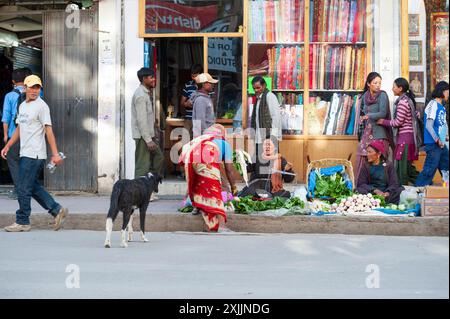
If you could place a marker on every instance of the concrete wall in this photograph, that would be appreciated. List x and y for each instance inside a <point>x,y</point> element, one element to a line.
<point>387,46</point>
<point>109,94</point>
<point>134,60</point>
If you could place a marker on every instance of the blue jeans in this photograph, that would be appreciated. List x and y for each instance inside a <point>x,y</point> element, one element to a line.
<point>28,186</point>
<point>437,158</point>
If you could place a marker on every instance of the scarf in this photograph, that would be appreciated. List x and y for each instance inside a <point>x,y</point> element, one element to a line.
<point>369,100</point>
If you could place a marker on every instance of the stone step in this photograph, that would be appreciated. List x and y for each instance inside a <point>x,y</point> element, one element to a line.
<point>244,224</point>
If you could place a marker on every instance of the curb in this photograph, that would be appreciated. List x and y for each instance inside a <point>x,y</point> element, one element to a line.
<point>385,226</point>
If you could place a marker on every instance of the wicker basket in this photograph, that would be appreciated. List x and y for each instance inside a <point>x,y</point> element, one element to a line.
<point>329,162</point>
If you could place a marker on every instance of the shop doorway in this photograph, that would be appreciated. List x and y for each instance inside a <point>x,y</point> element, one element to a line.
<point>173,57</point>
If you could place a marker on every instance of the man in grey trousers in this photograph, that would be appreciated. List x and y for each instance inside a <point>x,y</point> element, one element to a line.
<point>145,130</point>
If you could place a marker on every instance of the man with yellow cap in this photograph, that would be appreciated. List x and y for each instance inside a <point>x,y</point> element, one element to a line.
<point>34,123</point>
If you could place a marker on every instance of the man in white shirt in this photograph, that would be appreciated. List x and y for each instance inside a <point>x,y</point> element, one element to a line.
<point>33,124</point>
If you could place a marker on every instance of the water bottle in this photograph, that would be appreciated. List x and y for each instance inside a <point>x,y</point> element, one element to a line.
<point>52,166</point>
<point>445,178</point>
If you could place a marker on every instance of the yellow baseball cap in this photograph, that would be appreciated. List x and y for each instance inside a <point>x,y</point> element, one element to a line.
<point>32,80</point>
<point>205,77</point>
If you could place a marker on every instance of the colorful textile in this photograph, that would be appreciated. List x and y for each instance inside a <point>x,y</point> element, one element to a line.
<point>202,166</point>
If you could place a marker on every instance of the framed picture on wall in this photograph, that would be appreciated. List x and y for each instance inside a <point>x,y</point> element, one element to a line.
<point>415,52</point>
<point>416,83</point>
<point>413,25</point>
<point>439,48</point>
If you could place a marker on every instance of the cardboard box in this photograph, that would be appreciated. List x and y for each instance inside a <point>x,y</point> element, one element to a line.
<point>434,207</point>
<point>436,192</point>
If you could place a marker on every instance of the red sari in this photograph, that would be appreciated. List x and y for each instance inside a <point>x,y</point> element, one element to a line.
<point>202,166</point>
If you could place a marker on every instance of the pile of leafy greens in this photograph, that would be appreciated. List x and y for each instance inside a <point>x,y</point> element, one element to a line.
<point>332,186</point>
<point>247,205</point>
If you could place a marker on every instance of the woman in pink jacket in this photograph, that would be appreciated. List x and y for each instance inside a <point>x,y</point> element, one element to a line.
<point>407,134</point>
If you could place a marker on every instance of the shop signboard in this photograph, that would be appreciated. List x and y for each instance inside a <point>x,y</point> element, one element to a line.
<point>220,50</point>
<point>162,16</point>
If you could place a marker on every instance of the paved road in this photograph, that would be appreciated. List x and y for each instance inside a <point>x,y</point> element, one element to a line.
<point>198,265</point>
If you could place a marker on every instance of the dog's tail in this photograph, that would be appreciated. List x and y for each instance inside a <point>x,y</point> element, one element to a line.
<point>114,205</point>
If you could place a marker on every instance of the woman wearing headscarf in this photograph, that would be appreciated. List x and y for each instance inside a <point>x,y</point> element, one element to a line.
<point>375,106</point>
<point>269,172</point>
<point>406,121</point>
<point>377,176</point>
<point>202,159</point>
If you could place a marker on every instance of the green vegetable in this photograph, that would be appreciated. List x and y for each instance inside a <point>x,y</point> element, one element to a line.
<point>246,205</point>
<point>331,186</point>
<point>382,199</point>
<point>236,164</point>
<point>228,115</point>
<point>186,209</point>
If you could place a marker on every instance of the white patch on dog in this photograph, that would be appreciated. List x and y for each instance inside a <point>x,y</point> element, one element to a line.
<point>144,239</point>
<point>109,227</point>
<point>124,239</point>
<point>130,229</point>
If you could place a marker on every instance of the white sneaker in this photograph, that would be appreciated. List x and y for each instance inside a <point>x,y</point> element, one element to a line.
<point>15,228</point>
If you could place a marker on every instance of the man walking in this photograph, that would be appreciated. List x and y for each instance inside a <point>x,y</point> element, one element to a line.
<point>203,110</point>
<point>148,155</point>
<point>34,123</point>
<point>12,101</point>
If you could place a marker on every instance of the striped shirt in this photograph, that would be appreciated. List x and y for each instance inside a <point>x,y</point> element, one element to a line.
<point>403,119</point>
<point>189,88</point>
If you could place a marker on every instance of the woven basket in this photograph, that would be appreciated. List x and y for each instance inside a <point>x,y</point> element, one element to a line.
<point>329,162</point>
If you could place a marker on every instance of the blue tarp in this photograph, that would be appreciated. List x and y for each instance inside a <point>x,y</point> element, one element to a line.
<point>327,171</point>
<point>386,211</point>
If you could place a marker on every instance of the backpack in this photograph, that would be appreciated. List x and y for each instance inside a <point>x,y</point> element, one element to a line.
<point>20,99</point>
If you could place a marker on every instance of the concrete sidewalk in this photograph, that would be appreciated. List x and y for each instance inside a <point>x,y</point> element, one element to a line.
<point>89,213</point>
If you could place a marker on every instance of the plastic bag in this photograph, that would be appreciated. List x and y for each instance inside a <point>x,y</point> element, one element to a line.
<point>410,197</point>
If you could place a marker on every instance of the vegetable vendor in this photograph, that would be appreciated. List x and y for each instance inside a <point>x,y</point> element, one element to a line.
<point>269,172</point>
<point>202,158</point>
<point>377,176</point>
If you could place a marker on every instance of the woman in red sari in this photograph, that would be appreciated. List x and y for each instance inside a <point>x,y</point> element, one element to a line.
<point>202,159</point>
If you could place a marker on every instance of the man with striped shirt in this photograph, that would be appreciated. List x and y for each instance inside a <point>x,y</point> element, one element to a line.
<point>189,88</point>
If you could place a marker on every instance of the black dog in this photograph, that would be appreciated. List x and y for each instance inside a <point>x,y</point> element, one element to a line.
<point>126,196</point>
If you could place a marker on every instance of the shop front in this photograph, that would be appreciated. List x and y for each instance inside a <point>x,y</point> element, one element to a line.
<point>315,56</point>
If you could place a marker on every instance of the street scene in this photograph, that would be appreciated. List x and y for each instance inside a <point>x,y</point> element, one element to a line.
<point>224,149</point>
<point>186,265</point>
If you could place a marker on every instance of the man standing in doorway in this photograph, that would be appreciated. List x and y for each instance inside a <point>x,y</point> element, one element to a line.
<point>148,155</point>
<point>12,101</point>
<point>34,123</point>
<point>266,119</point>
<point>190,88</point>
<point>203,110</point>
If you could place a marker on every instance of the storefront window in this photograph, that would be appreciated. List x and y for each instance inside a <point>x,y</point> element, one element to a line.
<point>193,16</point>
<point>225,64</point>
